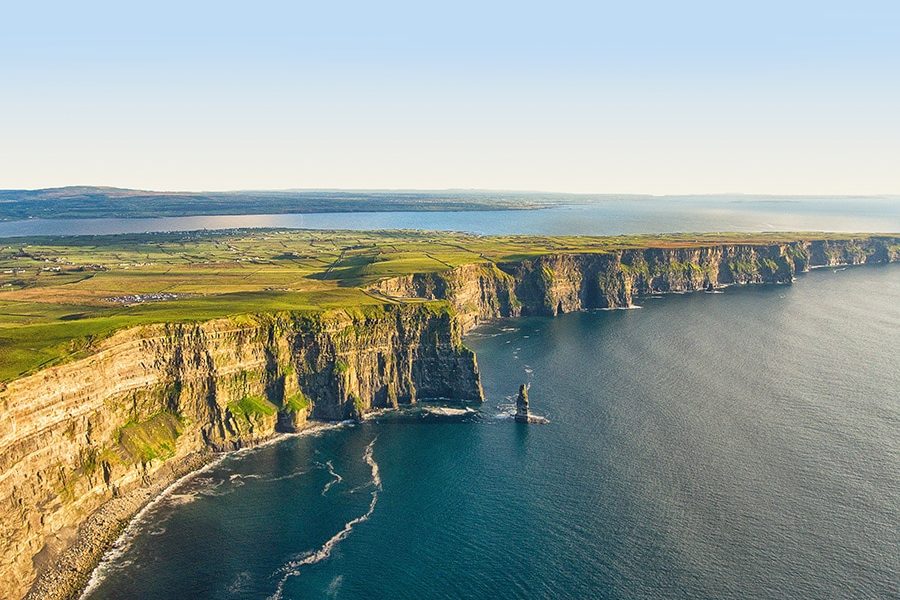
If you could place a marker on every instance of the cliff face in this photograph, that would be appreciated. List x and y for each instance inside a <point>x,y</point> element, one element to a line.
<point>558,283</point>
<point>76,435</point>
<point>476,291</point>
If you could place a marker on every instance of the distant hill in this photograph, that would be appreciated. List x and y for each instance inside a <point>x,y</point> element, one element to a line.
<point>97,202</point>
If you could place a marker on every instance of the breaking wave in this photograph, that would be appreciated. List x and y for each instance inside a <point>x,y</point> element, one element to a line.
<point>335,478</point>
<point>114,558</point>
<point>292,568</point>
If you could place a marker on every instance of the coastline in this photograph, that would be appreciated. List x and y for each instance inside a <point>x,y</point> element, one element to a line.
<point>70,574</point>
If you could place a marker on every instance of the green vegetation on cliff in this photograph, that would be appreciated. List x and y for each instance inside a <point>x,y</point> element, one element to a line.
<point>152,438</point>
<point>61,296</point>
<point>249,407</point>
<point>296,403</point>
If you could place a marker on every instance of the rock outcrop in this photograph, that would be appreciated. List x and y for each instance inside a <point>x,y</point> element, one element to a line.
<point>522,404</point>
<point>523,413</point>
<point>74,436</point>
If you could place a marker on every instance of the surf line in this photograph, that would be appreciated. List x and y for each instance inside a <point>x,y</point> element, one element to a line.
<point>292,568</point>
<point>123,543</point>
<point>336,478</point>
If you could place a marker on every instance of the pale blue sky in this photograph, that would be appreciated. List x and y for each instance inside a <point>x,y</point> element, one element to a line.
<point>644,97</point>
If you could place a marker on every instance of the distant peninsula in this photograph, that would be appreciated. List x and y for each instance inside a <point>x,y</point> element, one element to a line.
<point>86,202</point>
<point>101,202</point>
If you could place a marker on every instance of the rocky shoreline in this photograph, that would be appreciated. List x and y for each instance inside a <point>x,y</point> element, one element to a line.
<point>68,576</point>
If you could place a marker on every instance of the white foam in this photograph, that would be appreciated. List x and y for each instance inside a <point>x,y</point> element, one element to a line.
<point>179,499</point>
<point>335,478</point>
<point>444,411</point>
<point>289,475</point>
<point>292,568</point>
<point>506,410</point>
<point>113,558</point>
<point>238,587</point>
<point>378,412</point>
<point>335,586</point>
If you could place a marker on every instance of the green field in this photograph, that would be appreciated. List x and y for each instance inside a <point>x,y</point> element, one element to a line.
<point>60,295</point>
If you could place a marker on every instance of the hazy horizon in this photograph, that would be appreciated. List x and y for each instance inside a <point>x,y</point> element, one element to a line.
<point>694,98</point>
<point>597,194</point>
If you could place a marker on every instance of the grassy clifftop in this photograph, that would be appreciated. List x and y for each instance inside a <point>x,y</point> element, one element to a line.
<point>59,296</point>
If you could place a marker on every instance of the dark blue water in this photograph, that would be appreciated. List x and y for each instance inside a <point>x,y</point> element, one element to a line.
<point>735,445</point>
<point>603,217</point>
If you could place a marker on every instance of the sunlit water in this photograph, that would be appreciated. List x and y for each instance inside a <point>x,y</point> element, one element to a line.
<point>605,217</point>
<point>735,445</point>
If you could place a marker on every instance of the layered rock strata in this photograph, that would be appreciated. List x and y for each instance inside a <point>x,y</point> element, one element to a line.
<point>74,436</point>
<point>551,284</point>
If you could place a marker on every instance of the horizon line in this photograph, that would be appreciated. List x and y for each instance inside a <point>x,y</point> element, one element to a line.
<point>448,189</point>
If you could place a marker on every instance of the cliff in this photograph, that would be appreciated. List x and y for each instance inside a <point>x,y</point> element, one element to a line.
<point>551,284</point>
<point>150,398</point>
<point>73,437</point>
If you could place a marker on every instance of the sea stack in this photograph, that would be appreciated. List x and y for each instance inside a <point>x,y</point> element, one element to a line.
<point>522,415</point>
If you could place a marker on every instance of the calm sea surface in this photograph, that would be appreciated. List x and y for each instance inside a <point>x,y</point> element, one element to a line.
<point>605,217</point>
<point>735,445</point>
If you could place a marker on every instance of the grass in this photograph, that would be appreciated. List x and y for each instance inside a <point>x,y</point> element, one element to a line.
<point>341,367</point>
<point>296,403</point>
<point>153,438</point>
<point>60,296</point>
<point>249,407</point>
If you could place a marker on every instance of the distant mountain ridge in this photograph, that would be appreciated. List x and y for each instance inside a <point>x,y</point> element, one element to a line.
<point>98,202</point>
<point>87,202</point>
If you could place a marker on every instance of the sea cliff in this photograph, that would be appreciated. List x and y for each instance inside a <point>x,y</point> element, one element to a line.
<point>556,283</point>
<point>75,436</point>
<point>149,400</point>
